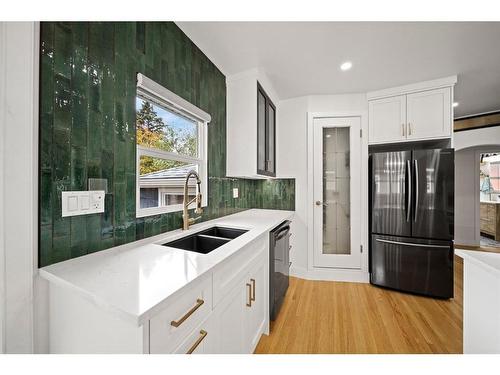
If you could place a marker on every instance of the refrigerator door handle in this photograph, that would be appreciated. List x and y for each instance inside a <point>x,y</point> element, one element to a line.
<point>408,198</point>
<point>415,163</point>
<point>413,244</point>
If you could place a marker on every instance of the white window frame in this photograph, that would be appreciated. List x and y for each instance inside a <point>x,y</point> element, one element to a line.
<point>157,94</point>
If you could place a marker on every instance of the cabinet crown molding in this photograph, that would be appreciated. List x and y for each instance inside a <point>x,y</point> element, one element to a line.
<point>414,87</point>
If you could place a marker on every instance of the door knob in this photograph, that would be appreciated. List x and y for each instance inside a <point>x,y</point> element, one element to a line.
<point>318,203</point>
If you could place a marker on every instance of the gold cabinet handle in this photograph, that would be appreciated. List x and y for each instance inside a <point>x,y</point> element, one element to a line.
<point>403,130</point>
<point>409,128</point>
<point>249,303</point>
<point>253,289</point>
<point>203,334</point>
<point>177,323</point>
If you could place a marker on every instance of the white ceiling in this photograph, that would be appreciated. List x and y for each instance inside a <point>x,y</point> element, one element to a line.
<point>303,58</point>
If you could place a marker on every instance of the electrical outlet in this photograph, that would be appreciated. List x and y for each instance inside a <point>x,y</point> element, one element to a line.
<point>235,193</point>
<point>75,203</point>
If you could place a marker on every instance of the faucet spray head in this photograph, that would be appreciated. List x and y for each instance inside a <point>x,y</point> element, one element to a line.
<point>198,209</point>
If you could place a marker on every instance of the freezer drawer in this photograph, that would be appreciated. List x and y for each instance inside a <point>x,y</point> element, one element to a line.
<point>412,265</point>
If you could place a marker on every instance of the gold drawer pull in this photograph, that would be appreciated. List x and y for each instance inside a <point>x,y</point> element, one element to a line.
<point>253,289</point>
<point>203,334</point>
<point>177,323</point>
<point>249,303</point>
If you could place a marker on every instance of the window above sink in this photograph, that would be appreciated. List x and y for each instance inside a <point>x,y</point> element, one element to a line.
<point>171,136</point>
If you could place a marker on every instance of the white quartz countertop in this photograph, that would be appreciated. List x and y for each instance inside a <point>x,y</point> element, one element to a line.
<point>136,280</point>
<point>489,261</point>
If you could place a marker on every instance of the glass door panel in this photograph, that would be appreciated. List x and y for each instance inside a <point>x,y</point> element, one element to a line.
<point>261,131</point>
<point>336,157</point>
<point>336,197</point>
<point>271,130</point>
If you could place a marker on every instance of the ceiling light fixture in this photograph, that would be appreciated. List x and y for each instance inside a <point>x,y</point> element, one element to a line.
<point>455,104</point>
<point>346,66</point>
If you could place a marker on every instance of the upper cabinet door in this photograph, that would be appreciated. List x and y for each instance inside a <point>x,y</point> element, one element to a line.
<point>387,119</point>
<point>271,139</point>
<point>261,131</point>
<point>266,131</point>
<point>429,114</point>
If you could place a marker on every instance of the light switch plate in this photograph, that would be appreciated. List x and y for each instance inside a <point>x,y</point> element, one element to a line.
<point>75,203</point>
<point>235,193</point>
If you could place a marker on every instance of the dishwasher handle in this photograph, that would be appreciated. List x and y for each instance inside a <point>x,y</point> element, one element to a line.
<point>282,232</point>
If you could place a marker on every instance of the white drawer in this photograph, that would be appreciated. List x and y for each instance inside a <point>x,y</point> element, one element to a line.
<point>171,326</point>
<point>201,341</point>
<point>227,275</point>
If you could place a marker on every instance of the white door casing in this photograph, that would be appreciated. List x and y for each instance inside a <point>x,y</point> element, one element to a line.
<point>351,260</point>
<point>19,121</point>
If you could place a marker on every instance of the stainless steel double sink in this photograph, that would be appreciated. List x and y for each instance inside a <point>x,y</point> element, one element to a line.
<point>206,240</point>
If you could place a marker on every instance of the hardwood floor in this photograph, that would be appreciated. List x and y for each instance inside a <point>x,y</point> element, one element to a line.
<point>337,317</point>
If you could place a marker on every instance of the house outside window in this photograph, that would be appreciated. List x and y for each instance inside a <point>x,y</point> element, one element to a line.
<point>171,141</point>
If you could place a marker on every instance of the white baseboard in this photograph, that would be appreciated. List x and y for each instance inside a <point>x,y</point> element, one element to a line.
<point>331,274</point>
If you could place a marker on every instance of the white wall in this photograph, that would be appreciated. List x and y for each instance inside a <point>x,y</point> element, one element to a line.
<point>466,187</point>
<point>19,123</point>
<point>467,207</point>
<point>468,145</point>
<point>292,158</point>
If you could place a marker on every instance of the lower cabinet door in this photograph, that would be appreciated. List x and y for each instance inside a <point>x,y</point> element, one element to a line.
<point>229,318</point>
<point>256,314</point>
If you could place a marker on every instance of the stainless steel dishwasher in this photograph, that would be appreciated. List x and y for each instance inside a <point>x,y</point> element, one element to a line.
<point>279,258</point>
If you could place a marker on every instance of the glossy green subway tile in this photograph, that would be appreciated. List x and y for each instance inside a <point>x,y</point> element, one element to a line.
<point>93,233</point>
<point>140,228</point>
<point>62,155</point>
<point>61,249</point>
<point>119,164</point>
<point>140,37</point>
<point>107,166</point>
<point>94,135</point>
<point>46,140</point>
<point>78,168</point>
<point>119,205</point>
<point>45,245</point>
<point>62,102</point>
<point>87,129</point>
<point>63,57</point>
<point>45,197</point>
<point>107,217</point>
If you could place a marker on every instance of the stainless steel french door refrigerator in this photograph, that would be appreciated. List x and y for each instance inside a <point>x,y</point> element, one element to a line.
<point>412,221</point>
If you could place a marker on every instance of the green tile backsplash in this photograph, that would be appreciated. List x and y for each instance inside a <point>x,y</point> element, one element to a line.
<point>87,130</point>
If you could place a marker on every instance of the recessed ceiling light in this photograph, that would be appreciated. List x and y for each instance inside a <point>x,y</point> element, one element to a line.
<point>455,104</point>
<point>346,66</point>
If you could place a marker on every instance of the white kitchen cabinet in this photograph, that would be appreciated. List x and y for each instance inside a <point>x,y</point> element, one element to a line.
<point>225,310</point>
<point>387,119</point>
<point>169,328</point>
<point>202,340</point>
<point>252,106</point>
<point>429,114</point>
<point>481,302</point>
<point>149,298</point>
<point>416,112</point>
<point>243,314</point>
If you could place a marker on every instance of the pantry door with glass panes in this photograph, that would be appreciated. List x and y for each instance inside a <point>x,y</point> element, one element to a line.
<point>337,192</point>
